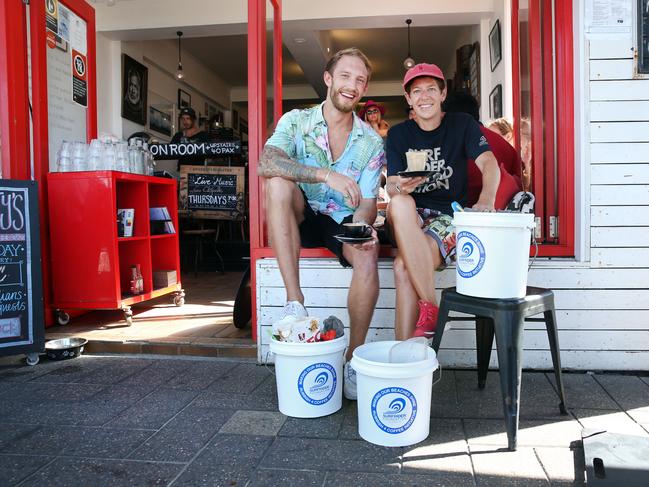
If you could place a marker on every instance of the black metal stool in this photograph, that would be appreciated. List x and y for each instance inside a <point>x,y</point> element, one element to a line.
<point>504,318</point>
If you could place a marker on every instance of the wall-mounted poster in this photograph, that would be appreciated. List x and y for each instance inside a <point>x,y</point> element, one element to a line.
<point>496,102</point>
<point>160,120</point>
<point>184,99</point>
<point>495,46</point>
<point>134,90</point>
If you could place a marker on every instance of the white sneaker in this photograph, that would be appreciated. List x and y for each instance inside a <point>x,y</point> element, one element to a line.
<point>349,382</point>
<point>294,308</point>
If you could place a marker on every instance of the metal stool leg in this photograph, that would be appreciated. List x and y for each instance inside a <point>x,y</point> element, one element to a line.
<point>442,318</point>
<point>484,338</point>
<point>553,338</point>
<point>509,343</point>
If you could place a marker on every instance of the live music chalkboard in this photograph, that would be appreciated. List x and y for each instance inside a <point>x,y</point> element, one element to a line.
<point>22,328</point>
<point>212,191</point>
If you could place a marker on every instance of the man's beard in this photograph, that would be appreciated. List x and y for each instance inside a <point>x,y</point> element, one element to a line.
<point>333,96</point>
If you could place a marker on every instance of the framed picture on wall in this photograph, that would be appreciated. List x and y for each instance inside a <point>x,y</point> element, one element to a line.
<point>134,90</point>
<point>495,46</point>
<point>184,99</point>
<point>496,102</point>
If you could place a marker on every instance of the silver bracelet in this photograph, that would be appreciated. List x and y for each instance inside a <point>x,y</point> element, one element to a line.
<point>397,188</point>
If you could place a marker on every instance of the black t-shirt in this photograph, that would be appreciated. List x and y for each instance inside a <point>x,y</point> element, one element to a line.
<point>197,138</point>
<point>449,146</point>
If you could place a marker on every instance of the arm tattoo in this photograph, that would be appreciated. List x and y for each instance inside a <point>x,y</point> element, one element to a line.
<point>274,162</point>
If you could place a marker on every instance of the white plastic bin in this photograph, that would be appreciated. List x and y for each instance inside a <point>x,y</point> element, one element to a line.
<point>492,253</point>
<point>309,377</point>
<point>393,398</point>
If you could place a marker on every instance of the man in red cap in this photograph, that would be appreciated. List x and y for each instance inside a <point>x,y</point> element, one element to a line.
<point>419,213</point>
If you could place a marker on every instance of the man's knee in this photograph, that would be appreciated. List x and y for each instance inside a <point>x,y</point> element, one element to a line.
<point>400,205</point>
<point>366,261</point>
<point>400,271</point>
<point>279,190</point>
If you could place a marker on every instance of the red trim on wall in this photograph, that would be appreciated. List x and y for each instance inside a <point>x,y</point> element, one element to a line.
<point>40,117</point>
<point>14,101</point>
<point>516,74</point>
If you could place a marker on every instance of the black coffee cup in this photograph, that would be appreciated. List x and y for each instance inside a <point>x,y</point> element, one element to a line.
<point>357,230</point>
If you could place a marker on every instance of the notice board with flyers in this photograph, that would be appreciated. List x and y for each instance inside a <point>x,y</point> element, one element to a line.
<point>216,192</point>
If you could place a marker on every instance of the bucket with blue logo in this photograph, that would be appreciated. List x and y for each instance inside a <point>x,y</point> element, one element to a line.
<point>309,377</point>
<point>393,398</point>
<point>492,252</point>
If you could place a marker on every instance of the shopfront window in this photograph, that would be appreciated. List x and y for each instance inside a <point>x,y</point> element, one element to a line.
<point>643,36</point>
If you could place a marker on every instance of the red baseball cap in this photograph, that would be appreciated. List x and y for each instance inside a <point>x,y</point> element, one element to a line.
<point>423,69</point>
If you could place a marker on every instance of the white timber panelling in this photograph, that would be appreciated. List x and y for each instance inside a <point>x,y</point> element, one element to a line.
<point>611,49</point>
<point>620,153</point>
<point>621,237</point>
<point>596,313</point>
<point>620,257</point>
<point>619,216</point>
<point>611,69</point>
<point>620,195</point>
<point>619,174</point>
<point>635,89</point>
<point>619,131</point>
<point>619,111</point>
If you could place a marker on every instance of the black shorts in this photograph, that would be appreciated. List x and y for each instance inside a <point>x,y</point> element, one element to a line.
<point>318,230</point>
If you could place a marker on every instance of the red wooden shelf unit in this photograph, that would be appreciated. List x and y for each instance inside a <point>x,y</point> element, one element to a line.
<point>91,265</point>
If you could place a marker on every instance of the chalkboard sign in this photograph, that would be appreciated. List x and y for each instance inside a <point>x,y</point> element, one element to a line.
<point>21,296</point>
<point>212,191</point>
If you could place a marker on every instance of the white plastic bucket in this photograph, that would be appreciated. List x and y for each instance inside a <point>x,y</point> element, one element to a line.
<point>492,253</point>
<point>393,398</point>
<point>309,377</point>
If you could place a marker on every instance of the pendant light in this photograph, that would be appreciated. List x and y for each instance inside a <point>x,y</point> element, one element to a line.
<point>409,62</point>
<point>179,72</point>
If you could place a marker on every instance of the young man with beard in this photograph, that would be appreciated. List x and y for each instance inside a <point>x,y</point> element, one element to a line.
<point>322,167</point>
<point>419,213</point>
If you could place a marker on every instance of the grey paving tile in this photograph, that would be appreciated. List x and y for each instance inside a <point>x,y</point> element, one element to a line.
<point>160,372</point>
<point>500,468</point>
<point>260,423</point>
<point>88,413</point>
<point>17,371</point>
<point>15,468</point>
<point>538,398</point>
<point>13,432</point>
<point>79,441</point>
<point>74,472</point>
<point>97,370</point>
<point>617,422</point>
<point>628,391</point>
<point>564,466</point>
<point>183,436</point>
<point>436,479</point>
<point>349,427</point>
<point>324,427</point>
<point>644,378</point>
<point>199,375</point>
<point>265,477</point>
<point>242,379</point>
<point>559,433</point>
<point>40,392</point>
<point>228,460</point>
<point>154,410</point>
<point>226,400</point>
<point>445,451</point>
<point>347,455</point>
<point>582,390</point>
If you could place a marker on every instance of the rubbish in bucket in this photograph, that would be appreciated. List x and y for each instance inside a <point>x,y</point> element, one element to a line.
<point>393,397</point>
<point>308,366</point>
<point>492,253</point>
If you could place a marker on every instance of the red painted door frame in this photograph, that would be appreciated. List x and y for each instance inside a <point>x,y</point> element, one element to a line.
<point>553,110</point>
<point>40,117</point>
<point>257,123</point>
<point>14,100</point>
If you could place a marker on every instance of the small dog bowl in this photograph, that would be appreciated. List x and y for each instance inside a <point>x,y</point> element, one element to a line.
<point>65,348</point>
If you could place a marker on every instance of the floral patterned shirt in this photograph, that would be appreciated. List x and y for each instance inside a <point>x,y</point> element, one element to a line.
<point>302,134</point>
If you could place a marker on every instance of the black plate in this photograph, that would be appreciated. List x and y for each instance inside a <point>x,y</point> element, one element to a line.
<point>415,174</point>
<point>352,240</point>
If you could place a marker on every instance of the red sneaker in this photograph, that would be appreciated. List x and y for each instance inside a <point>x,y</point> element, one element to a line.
<point>427,321</point>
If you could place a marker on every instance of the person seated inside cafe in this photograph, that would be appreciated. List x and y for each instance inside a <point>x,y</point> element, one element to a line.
<point>191,133</point>
<point>427,171</point>
<point>509,161</point>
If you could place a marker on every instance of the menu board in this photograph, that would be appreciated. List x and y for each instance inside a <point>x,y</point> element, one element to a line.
<point>212,191</point>
<point>21,296</point>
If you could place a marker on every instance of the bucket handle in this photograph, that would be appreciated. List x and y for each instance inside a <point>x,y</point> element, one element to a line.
<point>266,363</point>
<point>439,367</point>
<point>536,251</point>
